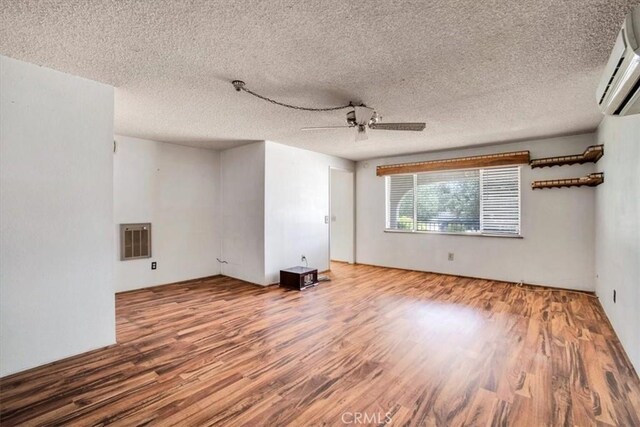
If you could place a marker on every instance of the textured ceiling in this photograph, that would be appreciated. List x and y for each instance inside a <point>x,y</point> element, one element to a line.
<point>476,72</point>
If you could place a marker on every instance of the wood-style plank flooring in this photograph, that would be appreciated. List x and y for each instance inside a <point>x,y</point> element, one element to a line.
<point>372,345</point>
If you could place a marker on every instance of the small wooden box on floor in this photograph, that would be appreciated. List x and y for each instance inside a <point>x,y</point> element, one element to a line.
<point>298,278</point>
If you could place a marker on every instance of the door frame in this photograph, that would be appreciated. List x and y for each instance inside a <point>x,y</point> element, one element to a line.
<point>353,196</point>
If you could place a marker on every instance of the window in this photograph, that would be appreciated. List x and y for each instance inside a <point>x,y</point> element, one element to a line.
<point>473,201</point>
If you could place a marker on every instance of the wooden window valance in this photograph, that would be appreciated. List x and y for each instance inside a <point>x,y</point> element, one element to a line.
<point>488,160</point>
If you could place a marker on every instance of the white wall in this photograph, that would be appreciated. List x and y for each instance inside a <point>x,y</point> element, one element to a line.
<point>557,224</point>
<point>617,239</point>
<point>242,206</point>
<point>175,188</point>
<point>342,216</point>
<point>56,215</point>
<point>296,203</point>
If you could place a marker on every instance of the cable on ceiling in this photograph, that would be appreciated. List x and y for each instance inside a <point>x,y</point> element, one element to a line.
<point>239,85</point>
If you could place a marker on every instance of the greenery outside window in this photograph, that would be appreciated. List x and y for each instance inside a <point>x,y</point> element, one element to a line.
<point>473,201</point>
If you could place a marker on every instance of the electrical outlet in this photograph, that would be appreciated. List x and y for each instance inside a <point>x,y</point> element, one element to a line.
<point>154,265</point>
<point>450,256</point>
<point>614,296</point>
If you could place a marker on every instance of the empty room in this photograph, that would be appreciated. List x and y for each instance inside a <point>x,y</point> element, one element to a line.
<point>320,213</point>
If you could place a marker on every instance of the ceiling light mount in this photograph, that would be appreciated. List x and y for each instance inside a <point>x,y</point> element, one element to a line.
<point>238,84</point>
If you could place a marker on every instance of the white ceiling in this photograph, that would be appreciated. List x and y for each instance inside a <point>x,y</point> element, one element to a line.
<point>476,72</point>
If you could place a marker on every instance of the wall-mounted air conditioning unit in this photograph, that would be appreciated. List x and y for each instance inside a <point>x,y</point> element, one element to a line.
<point>618,93</point>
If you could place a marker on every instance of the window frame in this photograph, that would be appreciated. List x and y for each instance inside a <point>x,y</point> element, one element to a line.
<point>387,185</point>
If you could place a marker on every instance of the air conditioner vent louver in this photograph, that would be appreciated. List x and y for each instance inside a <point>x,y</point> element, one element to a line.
<point>633,93</point>
<point>613,76</point>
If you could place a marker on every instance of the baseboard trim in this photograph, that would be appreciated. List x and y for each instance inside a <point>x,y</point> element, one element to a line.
<point>546,287</point>
<point>56,362</point>
<point>615,333</point>
<point>182,282</point>
<point>201,279</point>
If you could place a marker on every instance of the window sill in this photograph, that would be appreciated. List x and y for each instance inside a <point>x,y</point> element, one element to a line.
<point>506,236</point>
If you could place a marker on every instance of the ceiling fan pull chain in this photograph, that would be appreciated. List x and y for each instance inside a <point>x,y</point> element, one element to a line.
<point>239,85</point>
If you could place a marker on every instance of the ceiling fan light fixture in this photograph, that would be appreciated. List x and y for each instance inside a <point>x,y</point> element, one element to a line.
<point>351,118</point>
<point>359,115</point>
<point>361,134</point>
<point>375,118</point>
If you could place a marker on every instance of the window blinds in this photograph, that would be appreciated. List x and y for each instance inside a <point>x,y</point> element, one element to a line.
<point>500,205</point>
<point>400,203</point>
<point>481,201</point>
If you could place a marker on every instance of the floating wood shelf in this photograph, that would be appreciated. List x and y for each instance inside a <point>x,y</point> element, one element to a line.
<point>592,154</point>
<point>591,180</point>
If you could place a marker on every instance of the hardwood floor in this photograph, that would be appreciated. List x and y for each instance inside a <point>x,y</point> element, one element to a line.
<point>371,345</point>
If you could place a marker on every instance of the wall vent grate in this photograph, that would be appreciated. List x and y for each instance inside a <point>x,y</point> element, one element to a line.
<point>135,241</point>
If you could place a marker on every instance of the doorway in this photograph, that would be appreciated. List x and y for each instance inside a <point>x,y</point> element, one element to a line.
<point>341,216</point>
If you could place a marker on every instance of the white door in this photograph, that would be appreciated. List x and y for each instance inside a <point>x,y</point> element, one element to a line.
<point>341,239</point>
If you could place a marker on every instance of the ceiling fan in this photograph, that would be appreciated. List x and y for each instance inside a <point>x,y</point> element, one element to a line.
<point>360,116</point>
<point>363,117</point>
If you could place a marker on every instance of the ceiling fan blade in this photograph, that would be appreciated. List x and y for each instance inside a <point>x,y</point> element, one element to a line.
<point>325,127</point>
<point>398,126</point>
